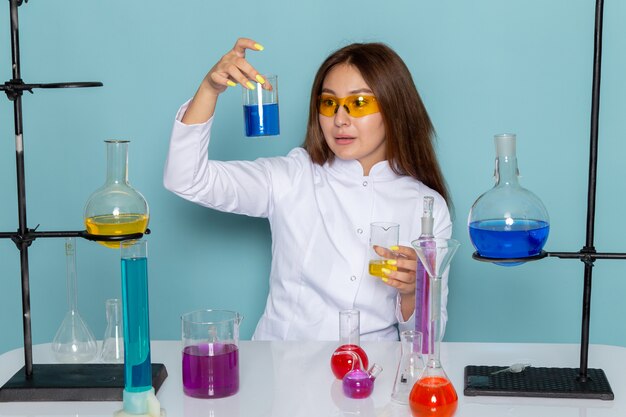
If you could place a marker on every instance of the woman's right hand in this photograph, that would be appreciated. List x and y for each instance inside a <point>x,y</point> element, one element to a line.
<point>230,70</point>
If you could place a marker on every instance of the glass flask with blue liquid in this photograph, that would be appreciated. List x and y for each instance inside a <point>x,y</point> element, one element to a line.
<point>508,222</point>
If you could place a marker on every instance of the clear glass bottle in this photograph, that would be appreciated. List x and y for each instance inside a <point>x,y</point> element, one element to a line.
<point>422,282</point>
<point>343,359</point>
<point>410,366</point>
<point>116,208</point>
<point>508,221</point>
<point>433,395</point>
<point>73,341</point>
<point>113,340</point>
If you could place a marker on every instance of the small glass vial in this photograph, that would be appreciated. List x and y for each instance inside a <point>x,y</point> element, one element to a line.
<point>113,341</point>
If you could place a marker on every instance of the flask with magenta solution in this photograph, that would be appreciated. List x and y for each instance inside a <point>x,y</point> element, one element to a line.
<point>508,222</point>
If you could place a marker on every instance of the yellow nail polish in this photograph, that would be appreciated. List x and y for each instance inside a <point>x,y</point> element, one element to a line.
<point>395,248</point>
<point>385,279</point>
<point>386,271</point>
<point>250,85</point>
<point>260,79</point>
<point>392,262</point>
<point>258,47</point>
<point>230,83</point>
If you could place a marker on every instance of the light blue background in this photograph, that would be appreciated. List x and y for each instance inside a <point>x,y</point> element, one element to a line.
<point>482,67</point>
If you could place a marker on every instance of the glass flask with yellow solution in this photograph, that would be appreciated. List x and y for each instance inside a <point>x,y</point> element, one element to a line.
<point>116,208</point>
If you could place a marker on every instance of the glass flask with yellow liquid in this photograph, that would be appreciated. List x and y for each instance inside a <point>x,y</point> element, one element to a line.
<point>116,208</point>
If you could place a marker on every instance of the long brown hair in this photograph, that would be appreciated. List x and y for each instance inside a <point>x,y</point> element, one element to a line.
<point>409,132</point>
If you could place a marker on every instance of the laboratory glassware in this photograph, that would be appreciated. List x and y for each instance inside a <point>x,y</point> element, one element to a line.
<point>358,383</point>
<point>116,208</point>
<point>343,360</point>
<point>138,395</point>
<point>210,356</point>
<point>385,235</point>
<point>260,108</point>
<point>74,342</point>
<point>508,221</point>
<point>433,394</point>
<point>113,340</point>
<point>410,366</point>
<point>422,282</point>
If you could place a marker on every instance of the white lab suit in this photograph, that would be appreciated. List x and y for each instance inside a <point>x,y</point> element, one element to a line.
<point>319,218</point>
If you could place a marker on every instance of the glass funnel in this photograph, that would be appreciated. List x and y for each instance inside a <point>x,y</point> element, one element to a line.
<point>74,341</point>
<point>116,208</point>
<point>508,221</point>
<point>433,394</point>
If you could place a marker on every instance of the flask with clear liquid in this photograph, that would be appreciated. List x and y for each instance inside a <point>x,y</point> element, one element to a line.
<point>116,208</point>
<point>508,221</point>
<point>74,341</point>
<point>422,282</point>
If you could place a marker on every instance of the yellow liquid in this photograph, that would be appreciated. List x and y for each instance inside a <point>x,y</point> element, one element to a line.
<point>376,267</point>
<point>110,224</point>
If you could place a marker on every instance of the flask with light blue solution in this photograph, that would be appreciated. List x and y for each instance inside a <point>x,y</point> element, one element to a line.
<point>508,222</point>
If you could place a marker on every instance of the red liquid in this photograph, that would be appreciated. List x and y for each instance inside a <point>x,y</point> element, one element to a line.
<point>433,397</point>
<point>342,360</point>
<point>211,370</point>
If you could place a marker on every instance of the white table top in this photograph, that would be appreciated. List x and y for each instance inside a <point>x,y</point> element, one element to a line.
<point>293,379</point>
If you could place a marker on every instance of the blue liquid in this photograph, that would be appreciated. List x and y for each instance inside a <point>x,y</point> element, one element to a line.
<point>137,366</point>
<point>261,120</point>
<point>522,239</point>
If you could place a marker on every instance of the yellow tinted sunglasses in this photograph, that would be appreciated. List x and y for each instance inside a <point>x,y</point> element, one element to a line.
<point>356,105</point>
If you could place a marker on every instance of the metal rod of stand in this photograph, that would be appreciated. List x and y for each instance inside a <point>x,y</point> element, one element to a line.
<point>21,193</point>
<point>591,188</point>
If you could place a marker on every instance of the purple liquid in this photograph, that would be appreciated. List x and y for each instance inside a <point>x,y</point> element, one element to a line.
<point>495,239</point>
<point>261,120</point>
<point>211,370</point>
<point>357,384</point>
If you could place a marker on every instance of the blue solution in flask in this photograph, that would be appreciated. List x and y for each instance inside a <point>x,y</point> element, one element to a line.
<point>137,364</point>
<point>508,222</point>
<point>498,239</point>
<point>261,120</point>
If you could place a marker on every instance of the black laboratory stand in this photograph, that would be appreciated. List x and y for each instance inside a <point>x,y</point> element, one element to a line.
<point>52,382</point>
<point>579,382</point>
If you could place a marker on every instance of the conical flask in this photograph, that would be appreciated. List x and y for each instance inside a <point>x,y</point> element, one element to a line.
<point>116,208</point>
<point>433,394</point>
<point>508,221</point>
<point>113,340</point>
<point>74,341</point>
<point>410,366</point>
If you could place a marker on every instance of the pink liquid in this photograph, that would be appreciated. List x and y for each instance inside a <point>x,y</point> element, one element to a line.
<point>357,384</point>
<point>343,360</point>
<point>210,370</point>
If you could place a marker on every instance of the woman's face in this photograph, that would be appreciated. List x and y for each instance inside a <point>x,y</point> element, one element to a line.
<point>360,138</point>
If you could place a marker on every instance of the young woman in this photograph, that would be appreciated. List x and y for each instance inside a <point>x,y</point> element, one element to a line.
<point>367,156</point>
